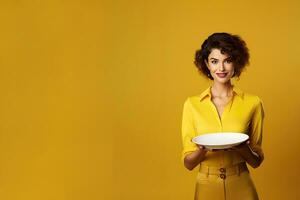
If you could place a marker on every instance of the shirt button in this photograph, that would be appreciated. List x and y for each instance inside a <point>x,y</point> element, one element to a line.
<point>222,170</point>
<point>222,176</point>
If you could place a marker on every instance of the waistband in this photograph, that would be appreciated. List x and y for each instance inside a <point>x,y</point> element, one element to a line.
<point>224,171</point>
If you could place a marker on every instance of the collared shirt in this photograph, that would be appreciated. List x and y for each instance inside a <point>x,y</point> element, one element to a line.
<point>244,113</point>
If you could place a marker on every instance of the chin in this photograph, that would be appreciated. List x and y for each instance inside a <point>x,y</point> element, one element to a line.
<point>221,80</point>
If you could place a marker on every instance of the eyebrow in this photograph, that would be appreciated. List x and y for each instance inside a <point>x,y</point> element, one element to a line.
<point>229,57</point>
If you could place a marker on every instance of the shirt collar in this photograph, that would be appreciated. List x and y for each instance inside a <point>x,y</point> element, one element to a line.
<point>207,92</point>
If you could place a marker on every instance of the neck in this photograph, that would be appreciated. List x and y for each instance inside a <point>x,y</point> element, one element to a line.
<point>221,90</point>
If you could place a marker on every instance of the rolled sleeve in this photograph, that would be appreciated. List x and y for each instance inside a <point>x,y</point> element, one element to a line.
<point>256,134</point>
<point>187,129</point>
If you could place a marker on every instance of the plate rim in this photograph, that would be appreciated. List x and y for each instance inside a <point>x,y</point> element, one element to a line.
<point>226,144</point>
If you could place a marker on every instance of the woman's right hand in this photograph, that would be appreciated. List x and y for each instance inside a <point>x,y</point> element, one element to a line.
<point>192,159</point>
<point>202,148</point>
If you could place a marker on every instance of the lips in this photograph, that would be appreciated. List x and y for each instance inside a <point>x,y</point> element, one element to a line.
<point>221,75</point>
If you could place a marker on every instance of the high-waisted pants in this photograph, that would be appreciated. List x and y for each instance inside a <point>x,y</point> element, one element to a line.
<point>228,183</point>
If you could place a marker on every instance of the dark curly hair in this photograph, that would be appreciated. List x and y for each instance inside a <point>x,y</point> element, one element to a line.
<point>227,43</point>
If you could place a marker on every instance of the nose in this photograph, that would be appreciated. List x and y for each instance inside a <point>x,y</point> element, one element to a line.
<point>222,66</point>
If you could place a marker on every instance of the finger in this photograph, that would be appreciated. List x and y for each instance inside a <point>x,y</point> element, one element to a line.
<point>233,148</point>
<point>200,146</point>
<point>216,149</point>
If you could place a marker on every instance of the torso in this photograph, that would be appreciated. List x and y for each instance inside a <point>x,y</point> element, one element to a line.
<point>220,103</point>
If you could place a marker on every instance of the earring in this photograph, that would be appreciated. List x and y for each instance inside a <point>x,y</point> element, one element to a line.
<point>233,74</point>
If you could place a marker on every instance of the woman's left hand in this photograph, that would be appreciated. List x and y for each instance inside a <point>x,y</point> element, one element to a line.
<point>240,147</point>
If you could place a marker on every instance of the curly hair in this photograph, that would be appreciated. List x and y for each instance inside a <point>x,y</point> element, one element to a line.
<point>227,43</point>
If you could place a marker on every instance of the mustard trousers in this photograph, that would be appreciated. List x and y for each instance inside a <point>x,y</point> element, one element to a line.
<point>228,183</point>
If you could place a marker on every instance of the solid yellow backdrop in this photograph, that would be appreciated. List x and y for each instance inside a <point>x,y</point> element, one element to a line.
<point>92,95</point>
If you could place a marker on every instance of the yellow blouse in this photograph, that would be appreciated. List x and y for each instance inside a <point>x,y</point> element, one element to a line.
<point>244,113</point>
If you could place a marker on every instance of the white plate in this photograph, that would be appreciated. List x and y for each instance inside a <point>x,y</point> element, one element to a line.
<point>221,140</point>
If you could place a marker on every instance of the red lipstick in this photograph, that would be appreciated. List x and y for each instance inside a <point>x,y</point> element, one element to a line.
<point>221,75</point>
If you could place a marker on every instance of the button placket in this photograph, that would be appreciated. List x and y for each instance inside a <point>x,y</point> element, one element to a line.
<point>223,173</point>
<point>222,176</point>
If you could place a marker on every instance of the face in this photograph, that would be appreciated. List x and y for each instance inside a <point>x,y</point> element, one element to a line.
<point>220,66</point>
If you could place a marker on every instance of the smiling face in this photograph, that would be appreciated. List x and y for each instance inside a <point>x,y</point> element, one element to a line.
<point>220,66</point>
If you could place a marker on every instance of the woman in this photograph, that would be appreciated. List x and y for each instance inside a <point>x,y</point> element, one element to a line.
<point>223,107</point>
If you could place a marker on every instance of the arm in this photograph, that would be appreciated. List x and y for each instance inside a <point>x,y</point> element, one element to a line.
<point>252,151</point>
<point>191,160</point>
<point>251,157</point>
<point>192,154</point>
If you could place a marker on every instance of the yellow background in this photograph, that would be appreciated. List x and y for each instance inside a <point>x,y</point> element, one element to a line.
<point>92,95</point>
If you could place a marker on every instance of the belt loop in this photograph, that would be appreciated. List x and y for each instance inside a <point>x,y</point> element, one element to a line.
<point>207,172</point>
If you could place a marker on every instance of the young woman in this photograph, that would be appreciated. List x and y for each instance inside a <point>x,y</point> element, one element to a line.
<point>223,107</point>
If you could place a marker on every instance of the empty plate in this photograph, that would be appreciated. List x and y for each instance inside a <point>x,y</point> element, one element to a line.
<point>220,140</point>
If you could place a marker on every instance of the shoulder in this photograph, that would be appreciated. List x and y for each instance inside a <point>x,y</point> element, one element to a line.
<point>190,103</point>
<point>195,99</point>
<point>252,98</point>
<point>192,100</point>
<point>254,101</point>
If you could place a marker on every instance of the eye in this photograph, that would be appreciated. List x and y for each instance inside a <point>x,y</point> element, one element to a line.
<point>214,61</point>
<point>229,61</point>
